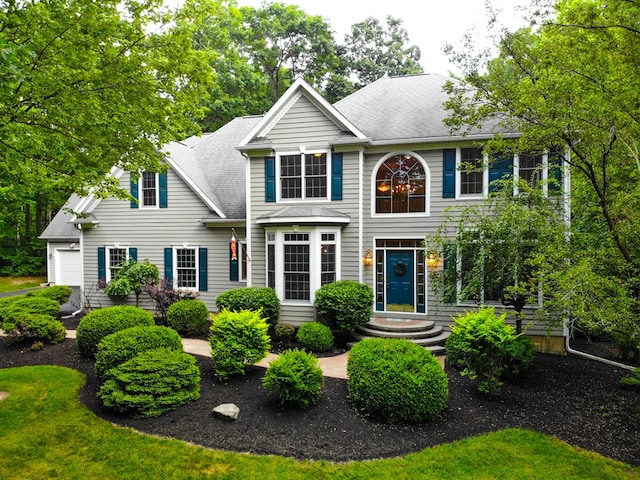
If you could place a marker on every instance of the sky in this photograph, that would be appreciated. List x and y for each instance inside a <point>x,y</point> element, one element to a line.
<point>430,24</point>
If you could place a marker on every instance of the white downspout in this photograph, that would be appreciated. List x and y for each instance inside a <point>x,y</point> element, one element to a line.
<point>360,214</point>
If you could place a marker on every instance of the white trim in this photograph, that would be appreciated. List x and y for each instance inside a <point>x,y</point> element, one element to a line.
<point>427,193</point>
<point>140,183</point>
<point>107,258</point>
<point>303,152</point>
<point>174,270</point>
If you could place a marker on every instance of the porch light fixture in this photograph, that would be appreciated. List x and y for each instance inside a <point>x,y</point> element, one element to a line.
<point>367,259</point>
<point>432,260</point>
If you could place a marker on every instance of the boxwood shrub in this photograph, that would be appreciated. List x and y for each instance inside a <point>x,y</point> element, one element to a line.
<point>188,317</point>
<point>284,331</point>
<point>152,383</point>
<point>484,348</point>
<point>294,378</point>
<point>119,347</point>
<point>23,325</point>
<point>99,323</point>
<point>344,305</point>
<point>252,298</point>
<point>59,293</point>
<point>396,380</point>
<point>238,339</point>
<point>315,336</point>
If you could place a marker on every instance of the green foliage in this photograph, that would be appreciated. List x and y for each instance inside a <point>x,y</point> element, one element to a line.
<point>19,258</point>
<point>483,347</point>
<point>22,325</point>
<point>632,381</point>
<point>59,293</point>
<point>295,378</point>
<point>132,277</point>
<point>238,339</point>
<point>152,383</point>
<point>165,295</point>
<point>99,323</point>
<point>344,305</point>
<point>315,336</point>
<point>18,305</point>
<point>396,380</point>
<point>121,346</point>
<point>188,317</point>
<point>252,298</point>
<point>284,331</point>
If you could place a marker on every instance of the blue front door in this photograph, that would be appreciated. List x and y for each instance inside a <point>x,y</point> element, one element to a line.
<point>400,281</point>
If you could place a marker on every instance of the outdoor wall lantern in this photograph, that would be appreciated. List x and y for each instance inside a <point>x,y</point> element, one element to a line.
<point>367,259</point>
<point>432,260</point>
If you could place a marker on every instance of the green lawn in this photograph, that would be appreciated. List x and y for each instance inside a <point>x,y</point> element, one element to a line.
<point>10,284</point>
<point>46,433</point>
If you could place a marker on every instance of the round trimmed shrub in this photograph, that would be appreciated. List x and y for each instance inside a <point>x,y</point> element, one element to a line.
<point>59,293</point>
<point>344,305</point>
<point>238,339</point>
<point>294,378</point>
<point>99,323</point>
<point>315,336</point>
<point>119,347</point>
<point>188,317</point>
<point>396,380</point>
<point>262,299</point>
<point>285,331</point>
<point>152,383</point>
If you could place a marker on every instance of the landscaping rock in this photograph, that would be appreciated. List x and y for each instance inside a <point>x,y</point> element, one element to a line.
<point>226,411</point>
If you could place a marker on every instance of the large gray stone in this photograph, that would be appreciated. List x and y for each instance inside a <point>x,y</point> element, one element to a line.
<point>227,411</point>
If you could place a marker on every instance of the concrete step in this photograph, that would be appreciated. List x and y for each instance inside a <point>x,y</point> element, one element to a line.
<point>429,342</point>
<point>400,324</point>
<point>434,331</point>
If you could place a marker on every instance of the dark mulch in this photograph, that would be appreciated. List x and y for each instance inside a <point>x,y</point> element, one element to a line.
<point>579,401</point>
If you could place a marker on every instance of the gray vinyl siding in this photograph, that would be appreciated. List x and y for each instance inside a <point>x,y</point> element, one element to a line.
<point>152,230</point>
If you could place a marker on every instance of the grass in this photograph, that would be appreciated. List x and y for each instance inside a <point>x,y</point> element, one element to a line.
<point>10,284</point>
<point>47,433</point>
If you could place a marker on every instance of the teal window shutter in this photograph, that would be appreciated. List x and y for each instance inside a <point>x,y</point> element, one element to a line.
<point>501,168</point>
<point>555,174</point>
<point>168,264</point>
<point>133,254</point>
<point>234,267</point>
<point>269,179</point>
<point>133,190</point>
<point>449,173</point>
<point>102,263</point>
<point>162,182</point>
<point>336,176</point>
<point>203,270</point>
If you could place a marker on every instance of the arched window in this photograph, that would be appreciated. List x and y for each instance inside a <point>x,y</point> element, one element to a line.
<point>401,185</point>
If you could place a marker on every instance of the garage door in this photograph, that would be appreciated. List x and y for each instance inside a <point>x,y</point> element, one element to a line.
<point>68,268</point>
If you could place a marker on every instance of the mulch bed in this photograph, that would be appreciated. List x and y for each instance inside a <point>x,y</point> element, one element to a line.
<point>579,401</point>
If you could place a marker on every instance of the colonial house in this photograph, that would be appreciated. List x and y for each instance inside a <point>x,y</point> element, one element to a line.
<point>303,195</point>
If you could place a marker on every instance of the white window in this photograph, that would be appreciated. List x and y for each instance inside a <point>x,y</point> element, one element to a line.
<point>148,193</point>
<point>115,258</point>
<point>471,172</point>
<point>298,263</point>
<point>304,176</point>
<point>185,272</point>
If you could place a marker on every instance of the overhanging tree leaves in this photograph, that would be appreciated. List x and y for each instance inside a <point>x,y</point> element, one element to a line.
<point>573,82</point>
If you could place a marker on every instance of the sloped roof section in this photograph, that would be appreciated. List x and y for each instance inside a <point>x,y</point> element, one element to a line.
<point>213,167</point>
<point>403,109</point>
<point>304,215</point>
<point>61,229</point>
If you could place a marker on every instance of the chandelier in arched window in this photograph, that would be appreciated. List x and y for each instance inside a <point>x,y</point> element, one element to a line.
<point>400,185</point>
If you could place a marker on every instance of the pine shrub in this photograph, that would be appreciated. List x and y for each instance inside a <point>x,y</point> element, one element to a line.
<point>99,323</point>
<point>315,336</point>
<point>59,293</point>
<point>396,380</point>
<point>238,339</point>
<point>152,383</point>
<point>23,325</point>
<point>285,331</point>
<point>294,378</point>
<point>262,299</point>
<point>23,304</point>
<point>119,347</point>
<point>188,317</point>
<point>484,348</point>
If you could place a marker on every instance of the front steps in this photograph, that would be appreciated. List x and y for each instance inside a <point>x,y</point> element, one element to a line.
<point>422,332</point>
